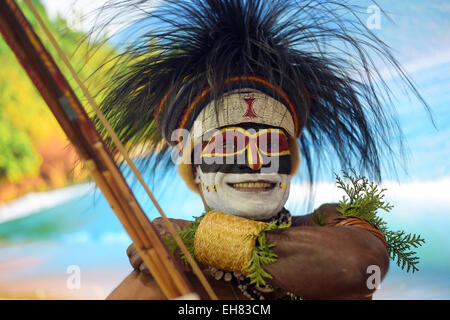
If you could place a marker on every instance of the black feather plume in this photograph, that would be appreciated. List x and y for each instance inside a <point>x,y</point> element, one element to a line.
<point>319,52</point>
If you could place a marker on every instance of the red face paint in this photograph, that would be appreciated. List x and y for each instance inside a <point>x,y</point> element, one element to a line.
<point>233,141</point>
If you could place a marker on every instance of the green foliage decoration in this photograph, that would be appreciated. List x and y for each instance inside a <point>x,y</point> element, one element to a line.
<point>263,254</point>
<point>364,199</point>
<point>187,235</point>
<point>318,218</point>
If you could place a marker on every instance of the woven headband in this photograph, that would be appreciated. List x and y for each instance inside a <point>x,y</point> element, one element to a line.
<point>244,99</point>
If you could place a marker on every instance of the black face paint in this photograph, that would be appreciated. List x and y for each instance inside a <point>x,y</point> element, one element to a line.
<point>246,148</point>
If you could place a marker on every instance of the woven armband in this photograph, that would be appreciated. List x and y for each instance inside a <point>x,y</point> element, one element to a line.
<point>222,241</point>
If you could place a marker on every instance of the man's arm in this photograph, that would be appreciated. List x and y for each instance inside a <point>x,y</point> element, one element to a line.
<point>314,262</point>
<point>323,262</point>
<point>137,286</point>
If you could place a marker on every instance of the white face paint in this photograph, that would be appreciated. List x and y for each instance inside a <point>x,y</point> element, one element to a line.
<point>256,196</point>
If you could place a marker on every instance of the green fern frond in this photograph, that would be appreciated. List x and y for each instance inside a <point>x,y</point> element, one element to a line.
<point>187,235</point>
<point>400,249</point>
<point>318,218</point>
<point>364,199</point>
<point>262,255</point>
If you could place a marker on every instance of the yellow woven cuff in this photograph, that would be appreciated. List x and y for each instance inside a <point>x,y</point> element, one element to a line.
<point>224,241</point>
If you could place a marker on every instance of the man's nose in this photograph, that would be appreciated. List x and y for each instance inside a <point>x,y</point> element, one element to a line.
<point>254,157</point>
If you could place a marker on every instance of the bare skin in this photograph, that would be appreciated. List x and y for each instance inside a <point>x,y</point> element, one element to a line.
<point>314,262</point>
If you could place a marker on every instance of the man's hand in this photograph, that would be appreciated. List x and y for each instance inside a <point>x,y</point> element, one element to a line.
<point>135,259</point>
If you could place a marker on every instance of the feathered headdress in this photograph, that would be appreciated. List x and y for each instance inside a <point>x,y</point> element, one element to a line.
<point>315,58</point>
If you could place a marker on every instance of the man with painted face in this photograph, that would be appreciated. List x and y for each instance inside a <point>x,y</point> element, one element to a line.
<point>245,89</point>
<point>241,164</point>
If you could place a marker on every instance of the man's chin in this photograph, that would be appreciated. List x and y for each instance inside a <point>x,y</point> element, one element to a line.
<point>249,213</point>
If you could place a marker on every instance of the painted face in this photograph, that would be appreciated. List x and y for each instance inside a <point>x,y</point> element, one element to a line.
<point>245,170</point>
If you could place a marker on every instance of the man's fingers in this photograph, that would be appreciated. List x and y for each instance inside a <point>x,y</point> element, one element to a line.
<point>162,228</point>
<point>131,250</point>
<point>134,257</point>
<point>143,268</point>
<point>136,261</point>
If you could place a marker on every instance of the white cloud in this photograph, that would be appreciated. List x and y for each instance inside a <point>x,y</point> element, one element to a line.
<point>428,61</point>
<point>95,16</point>
<point>88,16</point>
<point>80,14</point>
<point>120,237</point>
<point>411,199</point>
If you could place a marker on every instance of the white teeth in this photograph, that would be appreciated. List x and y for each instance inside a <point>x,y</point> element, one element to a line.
<point>251,185</point>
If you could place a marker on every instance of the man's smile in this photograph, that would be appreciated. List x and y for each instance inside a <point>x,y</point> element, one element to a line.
<point>253,186</point>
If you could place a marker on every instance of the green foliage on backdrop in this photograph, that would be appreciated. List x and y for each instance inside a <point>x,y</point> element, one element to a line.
<point>25,121</point>
<point>18,157</point>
